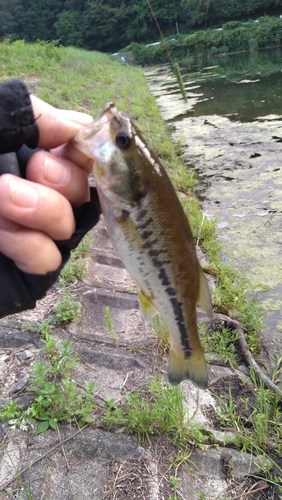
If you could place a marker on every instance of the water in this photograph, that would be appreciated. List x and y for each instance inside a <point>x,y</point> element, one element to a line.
<point>237,158</point>
<point>225,87</point>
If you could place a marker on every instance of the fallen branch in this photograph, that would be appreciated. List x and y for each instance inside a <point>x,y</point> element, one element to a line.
<point>263,486</point>
<point>236,325</point>
<point>57,445</point>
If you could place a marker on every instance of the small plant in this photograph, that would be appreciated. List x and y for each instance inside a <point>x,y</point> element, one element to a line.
<point>75,268</point>
<point>109,322</point>
<point>158,410</point>
<point>10,411</point>
<point>28,327</point>
<point>45,328</point>
<point>174,482</point>
<point>57,397</point>
<point>162,334</point>
<point>67,309</point>
<point>222,343</point>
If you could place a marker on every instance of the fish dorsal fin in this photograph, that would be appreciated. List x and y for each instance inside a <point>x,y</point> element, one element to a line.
<point>147,309</point>
<point>204,299</point>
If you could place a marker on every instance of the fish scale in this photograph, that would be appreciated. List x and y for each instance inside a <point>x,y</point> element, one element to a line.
<point>151,234</point>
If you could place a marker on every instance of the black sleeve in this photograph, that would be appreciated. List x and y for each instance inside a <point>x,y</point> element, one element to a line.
<point>18,290</point>
<point>17,123</point>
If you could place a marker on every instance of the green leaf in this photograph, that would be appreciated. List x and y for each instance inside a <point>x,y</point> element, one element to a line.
<point>42,427</point>
<point>43,416</point>
<point>53,424</point>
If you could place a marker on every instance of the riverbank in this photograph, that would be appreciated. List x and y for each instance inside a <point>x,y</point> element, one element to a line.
<point>233,37</point>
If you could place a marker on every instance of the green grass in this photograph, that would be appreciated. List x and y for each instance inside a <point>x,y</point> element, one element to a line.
<point>158,410</point>
<point>57,397</point>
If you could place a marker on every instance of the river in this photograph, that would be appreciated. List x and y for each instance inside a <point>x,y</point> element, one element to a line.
<point>231,133</point>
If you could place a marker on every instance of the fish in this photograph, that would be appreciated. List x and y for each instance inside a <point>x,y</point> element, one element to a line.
<point>151,234</point>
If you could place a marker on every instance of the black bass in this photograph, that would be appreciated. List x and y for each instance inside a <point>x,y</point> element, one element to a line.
<point>151,234</point>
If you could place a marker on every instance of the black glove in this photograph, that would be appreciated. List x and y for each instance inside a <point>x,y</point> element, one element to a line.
<point>19,290</point>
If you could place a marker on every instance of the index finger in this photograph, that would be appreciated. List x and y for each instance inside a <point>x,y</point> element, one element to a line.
<point>56,126</point>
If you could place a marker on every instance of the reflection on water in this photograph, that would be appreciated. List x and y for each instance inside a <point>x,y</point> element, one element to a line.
<point>237,159</point>
<point>242,86</point>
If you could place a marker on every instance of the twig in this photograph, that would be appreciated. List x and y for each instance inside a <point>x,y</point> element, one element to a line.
<point>264,486</point>
<point>22,471</point>
<point>236,325</point>
<point>60,443</point>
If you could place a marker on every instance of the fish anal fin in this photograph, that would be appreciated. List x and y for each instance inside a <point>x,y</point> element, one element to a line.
<point>204,299</point>
<point>147,309</point>
<point>192,368</point>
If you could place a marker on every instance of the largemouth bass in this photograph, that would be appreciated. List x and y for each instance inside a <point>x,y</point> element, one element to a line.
<point>151,234</point>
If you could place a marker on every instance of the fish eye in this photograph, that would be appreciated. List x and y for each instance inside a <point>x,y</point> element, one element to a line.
<point>123,140</point>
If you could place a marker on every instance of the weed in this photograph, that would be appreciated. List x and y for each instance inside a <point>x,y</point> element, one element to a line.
<point>109,322</point>
<point>174,482</point>
<point>57,397</point>
<point>222,343</point>
<point>162,334</point>
<point>45,328</point>
<point>28,327</point>
<point>67,309</point>
<point>158,412</point>
<point>10,411</point>
<point>75,268</point>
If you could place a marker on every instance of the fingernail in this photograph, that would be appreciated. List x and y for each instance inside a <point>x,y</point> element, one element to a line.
<point>54,171</point>
<point>23,194</point>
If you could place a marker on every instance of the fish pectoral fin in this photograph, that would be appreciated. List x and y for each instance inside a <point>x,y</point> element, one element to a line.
<point>191,368</point>
<point>147,309</point>
<point>204,299</point>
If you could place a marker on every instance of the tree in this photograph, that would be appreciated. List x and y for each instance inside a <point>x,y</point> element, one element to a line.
<point>11,13</point>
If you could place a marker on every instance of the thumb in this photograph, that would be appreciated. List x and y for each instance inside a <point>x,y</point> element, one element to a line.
<point>56,126</point>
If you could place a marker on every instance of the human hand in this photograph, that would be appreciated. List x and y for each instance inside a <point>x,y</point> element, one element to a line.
<point>37,210</point>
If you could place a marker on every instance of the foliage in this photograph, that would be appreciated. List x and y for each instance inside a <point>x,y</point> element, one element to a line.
<point>108,25</point>
<point>232,37</point>
<point>158,411</point>
<point>67,309</point>
<point>57,397</point>
<point>75,268</point>
<point>10,410</point>
<point>257,420</point>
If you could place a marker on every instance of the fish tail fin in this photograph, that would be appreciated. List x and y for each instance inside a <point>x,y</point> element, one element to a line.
<point>192,368</point>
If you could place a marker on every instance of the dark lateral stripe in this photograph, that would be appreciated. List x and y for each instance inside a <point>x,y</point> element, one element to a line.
<point>162,274</point>
<point>141,214</point>
<point>146,234</point>
<point>154,253</point>
<point>181,325</point>
<point>176,306</point>
<point>149,244</point>
<point>146,223</point>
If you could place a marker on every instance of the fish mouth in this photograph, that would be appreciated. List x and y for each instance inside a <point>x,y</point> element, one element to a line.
<point>88,138</point>
<point>109,125</point>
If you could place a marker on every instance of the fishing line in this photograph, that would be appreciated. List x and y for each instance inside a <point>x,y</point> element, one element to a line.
<point>175,66</point>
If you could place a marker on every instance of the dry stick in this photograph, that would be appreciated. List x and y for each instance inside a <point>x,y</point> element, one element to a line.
<point>264,486</point>
<point>57,445</point>
<point>236,325</point>
<point>42,456</point>
<point>67,462</point>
